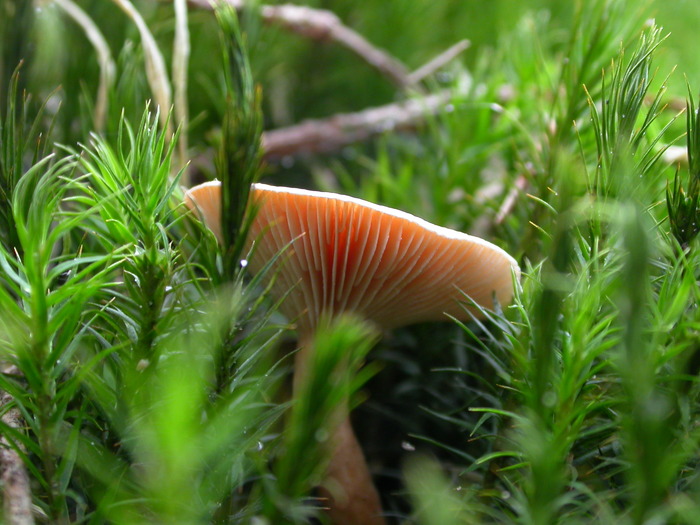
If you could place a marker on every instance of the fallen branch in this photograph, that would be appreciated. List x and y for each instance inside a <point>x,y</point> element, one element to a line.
<point>17,496</point>
<point>331,134</point>
<point>323,25</point>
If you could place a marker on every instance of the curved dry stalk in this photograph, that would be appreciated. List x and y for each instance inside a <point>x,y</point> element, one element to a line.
<point>181,56</point>
<point>104,57</point>
<point>156,72</point>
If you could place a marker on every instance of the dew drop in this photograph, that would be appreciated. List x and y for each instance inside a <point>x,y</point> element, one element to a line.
<point>549,399</point>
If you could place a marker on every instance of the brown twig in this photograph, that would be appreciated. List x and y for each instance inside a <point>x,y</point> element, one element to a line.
<point>331,134</point>
<point>323,25</point>
<point>17,496</point>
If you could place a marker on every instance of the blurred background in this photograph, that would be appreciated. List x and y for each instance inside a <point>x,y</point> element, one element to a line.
<point>303,78</point>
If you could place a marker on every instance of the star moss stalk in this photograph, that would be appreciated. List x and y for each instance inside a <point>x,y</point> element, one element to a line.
<point>239,158</point>
<point>683,203</point>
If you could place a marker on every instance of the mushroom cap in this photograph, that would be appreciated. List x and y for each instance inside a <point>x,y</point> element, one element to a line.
<point>348,255</point>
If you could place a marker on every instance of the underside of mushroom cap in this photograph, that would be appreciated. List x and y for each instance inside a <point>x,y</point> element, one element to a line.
<point>206,199</point>
<point>345,254</point>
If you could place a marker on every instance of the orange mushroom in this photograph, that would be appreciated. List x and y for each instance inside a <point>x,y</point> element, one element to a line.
<point>349,255</point>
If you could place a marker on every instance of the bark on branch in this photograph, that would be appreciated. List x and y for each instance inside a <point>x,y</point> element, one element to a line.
<point>331,134</point>
<point>323,25</point>
<point>16,492</point>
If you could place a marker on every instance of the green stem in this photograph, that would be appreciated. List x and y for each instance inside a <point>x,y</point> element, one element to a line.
<point>40,351</point>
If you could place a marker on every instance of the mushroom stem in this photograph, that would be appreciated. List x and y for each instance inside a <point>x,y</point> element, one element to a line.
<point>352,498</point>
